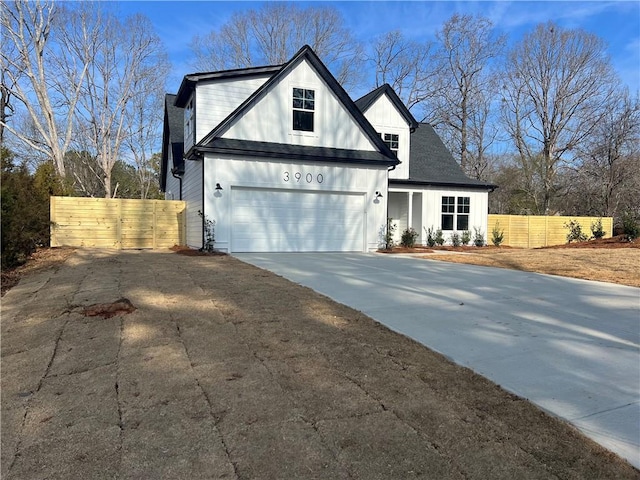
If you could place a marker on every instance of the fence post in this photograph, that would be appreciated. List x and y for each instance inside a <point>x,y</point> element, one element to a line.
<point>119,226</point>
<point>52,222</point>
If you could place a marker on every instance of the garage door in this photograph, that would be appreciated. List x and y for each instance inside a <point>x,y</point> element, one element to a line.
<point>294,221</point>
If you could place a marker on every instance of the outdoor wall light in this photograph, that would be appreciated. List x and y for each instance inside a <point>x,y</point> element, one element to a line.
<point>218,187</point>
<point>378,195</point>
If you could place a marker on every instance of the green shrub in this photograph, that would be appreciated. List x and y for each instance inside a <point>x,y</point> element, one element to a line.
<point>25,208</point>
<point>630,226</point>
<point>497,235</point>
<point>575,232</point>
<point>465,238</point>
<point>596,229</point>
<point>439,238</point>
<point>431,240</point>
<point>409,237</point>
<point>478,237</point>
<point>455,239</point>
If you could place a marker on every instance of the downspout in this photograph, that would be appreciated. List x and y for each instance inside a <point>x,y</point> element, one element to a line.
<point>179,177</point>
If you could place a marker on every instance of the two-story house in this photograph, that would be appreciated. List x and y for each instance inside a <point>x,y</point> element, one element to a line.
<point>283,160</point>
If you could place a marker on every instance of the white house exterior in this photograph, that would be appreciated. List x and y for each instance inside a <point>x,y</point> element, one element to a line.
<point>284,161</point>
<point>428,189</point>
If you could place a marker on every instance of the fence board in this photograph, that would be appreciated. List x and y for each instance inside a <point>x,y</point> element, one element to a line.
<point>541,231</point>
<point>116,223</point>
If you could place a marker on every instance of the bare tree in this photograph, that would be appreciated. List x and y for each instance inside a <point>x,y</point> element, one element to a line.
<point>39,73</point>
<point>465,62</point>
<point>405,66</point>
<point>273,33</point>
<point>558,85</point>
<point>144,120</point>
<point>608,171</point>
<point>124,62</point>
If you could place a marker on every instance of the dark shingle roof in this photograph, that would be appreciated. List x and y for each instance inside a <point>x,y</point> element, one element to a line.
<point>296,152</point>
<point>363,103</point>
<point>172,139</point>
<point>431,163</point>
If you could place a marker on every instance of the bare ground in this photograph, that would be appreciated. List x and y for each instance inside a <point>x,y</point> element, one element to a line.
<point>222,370</point>
<point>614,265</point>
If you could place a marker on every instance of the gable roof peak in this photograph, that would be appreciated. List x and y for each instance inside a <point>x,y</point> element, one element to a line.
<point>364,102</point>
<point>306,52</point>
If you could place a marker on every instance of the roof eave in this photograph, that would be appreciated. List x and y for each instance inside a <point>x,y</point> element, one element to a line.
<point>196,153</point>
<point>428,183</point>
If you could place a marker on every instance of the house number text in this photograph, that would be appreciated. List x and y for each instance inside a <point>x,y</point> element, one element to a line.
<point>303,177</point>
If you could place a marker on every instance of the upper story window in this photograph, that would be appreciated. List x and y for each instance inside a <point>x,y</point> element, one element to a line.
<point>188,120</point>
<point>455,211</point>
<point>303,109</point>
<point>393,141</point>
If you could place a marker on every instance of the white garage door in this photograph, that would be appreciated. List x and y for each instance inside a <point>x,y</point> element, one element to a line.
<point>296,221</point>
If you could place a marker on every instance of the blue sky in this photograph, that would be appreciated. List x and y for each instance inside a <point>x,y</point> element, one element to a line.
<point>617,22</point>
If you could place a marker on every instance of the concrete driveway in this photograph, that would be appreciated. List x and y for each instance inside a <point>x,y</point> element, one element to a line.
<point>570,346</point>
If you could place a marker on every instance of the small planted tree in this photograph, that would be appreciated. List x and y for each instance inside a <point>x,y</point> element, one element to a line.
<point>596,229</point>
<point>497,235</point>
<point>575,232</point>
<point>388,242</point>
<point>209,233</point>
<point>431,236</point>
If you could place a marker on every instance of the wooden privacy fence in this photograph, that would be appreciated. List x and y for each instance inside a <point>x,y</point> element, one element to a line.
<point>541,231</point>
<point>116,223</point>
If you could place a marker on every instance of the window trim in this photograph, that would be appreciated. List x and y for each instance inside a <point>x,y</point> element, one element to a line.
<point>303,109</point>
<point>456,208</point>
<point>391,141</point>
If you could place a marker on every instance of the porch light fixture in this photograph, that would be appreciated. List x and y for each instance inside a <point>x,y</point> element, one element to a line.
<point>218,187</point>
<point>378,195</point>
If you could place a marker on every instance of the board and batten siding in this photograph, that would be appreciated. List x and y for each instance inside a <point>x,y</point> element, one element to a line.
<point>216,100</point>
<point>432,208</point>
<point>270,119</point>
<point>116,223</point>
<point>249,173</point>
<point>385,118</point>
<point>192,194</point>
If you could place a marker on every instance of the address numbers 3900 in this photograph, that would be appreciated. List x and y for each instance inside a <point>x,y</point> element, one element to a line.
<point>299,177</point>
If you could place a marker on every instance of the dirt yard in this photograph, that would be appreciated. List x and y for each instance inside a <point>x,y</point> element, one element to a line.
<point>213,368</point>
<point>614,264</point>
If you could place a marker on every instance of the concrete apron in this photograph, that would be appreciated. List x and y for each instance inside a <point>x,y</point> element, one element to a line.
<point>570,346</point>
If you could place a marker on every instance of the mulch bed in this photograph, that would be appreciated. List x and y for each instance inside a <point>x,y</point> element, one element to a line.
<point>190,252</point>
<point>619,241</point>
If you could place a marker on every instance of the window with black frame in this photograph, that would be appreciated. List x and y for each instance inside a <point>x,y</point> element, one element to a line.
<point>303,109</point>
<point>393,141</point>
<point>455,211</point>
<point>448,210</point>
<point>462,220</point>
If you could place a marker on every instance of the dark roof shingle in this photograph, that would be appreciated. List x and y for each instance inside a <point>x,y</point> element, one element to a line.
<point>431,163</point>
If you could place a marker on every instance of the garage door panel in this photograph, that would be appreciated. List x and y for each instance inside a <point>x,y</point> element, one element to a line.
<point>290,221</point>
